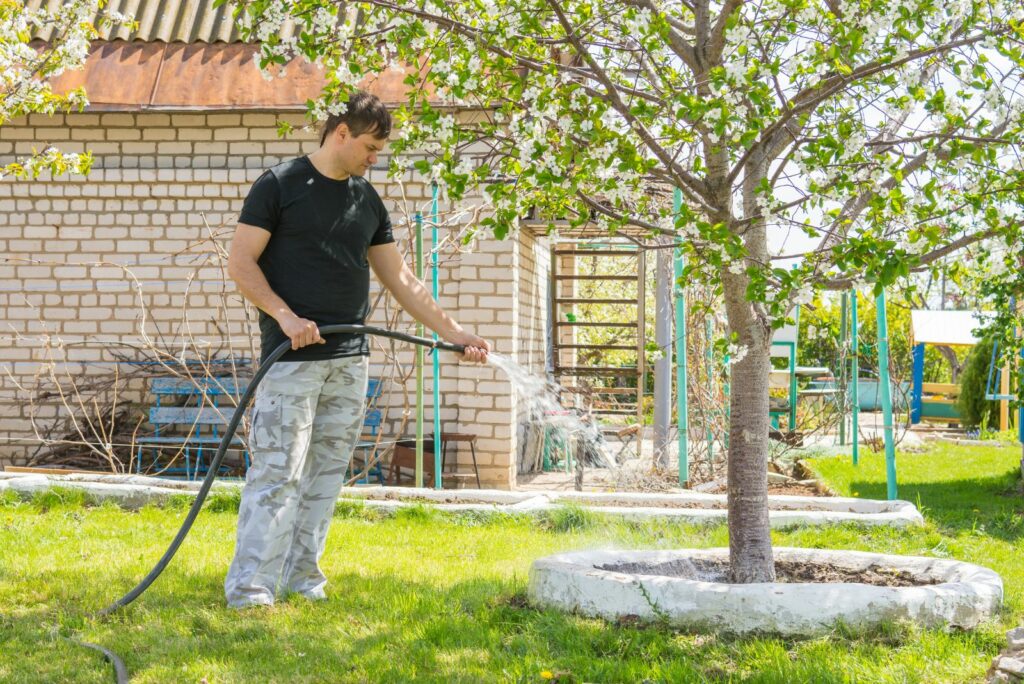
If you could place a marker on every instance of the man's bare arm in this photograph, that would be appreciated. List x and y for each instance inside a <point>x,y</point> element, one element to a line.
<point>392,271</point>
<point>243,268</point>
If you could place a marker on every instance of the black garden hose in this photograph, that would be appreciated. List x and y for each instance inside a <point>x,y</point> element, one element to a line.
<point>120,671</point>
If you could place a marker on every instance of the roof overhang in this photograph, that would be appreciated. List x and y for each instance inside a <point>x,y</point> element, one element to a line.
<point>945,328</point>
<point>122,76</point>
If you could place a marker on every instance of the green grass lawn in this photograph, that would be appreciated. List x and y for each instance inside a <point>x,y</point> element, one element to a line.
<point>433,597</point>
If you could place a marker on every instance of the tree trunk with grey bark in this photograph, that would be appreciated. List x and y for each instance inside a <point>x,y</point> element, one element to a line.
<point>750,545</point>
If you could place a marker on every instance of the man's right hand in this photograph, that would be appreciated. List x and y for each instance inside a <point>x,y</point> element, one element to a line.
<point>300,331</point>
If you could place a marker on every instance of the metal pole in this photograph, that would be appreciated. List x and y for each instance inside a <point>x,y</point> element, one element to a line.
<point>641,338</point>
<point>917,383</point>
<point>843,331</point>
<point>709,358</point>
<point>663,365</point>
<point>682,403</point>
<point>855,377</point>
<point>792,376</point>
<point>436,358</point>
<point>886,391</point>
<point>419,360</point>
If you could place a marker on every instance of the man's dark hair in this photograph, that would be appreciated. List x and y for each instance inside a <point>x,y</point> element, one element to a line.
<point>365,113</point>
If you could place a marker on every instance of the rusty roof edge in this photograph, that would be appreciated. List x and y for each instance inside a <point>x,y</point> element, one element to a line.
<point>185,109</point>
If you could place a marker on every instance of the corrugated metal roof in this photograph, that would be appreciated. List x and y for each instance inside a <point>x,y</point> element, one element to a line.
<point>167,21</point>
<point>186,54</point>
<point>124,76</point>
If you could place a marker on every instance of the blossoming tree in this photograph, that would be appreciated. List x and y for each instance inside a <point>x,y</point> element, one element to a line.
<point>878,136</point>
<point>27,65</point>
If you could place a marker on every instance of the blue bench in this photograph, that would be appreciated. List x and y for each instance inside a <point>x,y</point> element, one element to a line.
<point>195,430</point>
<point>190,430</point>
<point>366,447</point>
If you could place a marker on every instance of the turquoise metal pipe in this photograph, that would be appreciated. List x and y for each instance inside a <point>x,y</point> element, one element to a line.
<point>682,403</point>
<point>709,357</point>
<point>886,392</point>
<point>855,377</point>
<point>419,359</point>
<point>436,359</point>
<point>843,332</point>
<point>792,375</point>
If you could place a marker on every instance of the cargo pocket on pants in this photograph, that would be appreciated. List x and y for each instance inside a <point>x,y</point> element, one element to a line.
<point>265,421</point>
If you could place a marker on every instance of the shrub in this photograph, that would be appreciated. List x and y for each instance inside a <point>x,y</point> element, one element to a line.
<point>975,410</point>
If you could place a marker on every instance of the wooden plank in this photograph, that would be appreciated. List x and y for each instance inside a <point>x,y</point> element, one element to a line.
<point>1004,406</point>
<point>175,440</point>
<point>190,415</point>
<point>577,300</point>
<point>612,390</point>
<point>941,419</point>
<point>641,334</point>
<point>596,252</point>
<point>620,347</point>
<point>583,324</point>
<point>617,401</point>
<point>49,471</point>
<point>201,385</point>
<point>568,276</point>
<point>940,388</point>
<point>595,371</point>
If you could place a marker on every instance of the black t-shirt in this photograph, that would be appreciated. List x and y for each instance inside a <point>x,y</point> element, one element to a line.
<point>315,260</point>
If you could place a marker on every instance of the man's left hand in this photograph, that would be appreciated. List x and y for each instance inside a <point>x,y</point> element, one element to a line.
<point>477,348</point>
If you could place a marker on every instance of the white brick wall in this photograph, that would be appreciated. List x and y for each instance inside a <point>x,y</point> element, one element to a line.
<point>160,184</point>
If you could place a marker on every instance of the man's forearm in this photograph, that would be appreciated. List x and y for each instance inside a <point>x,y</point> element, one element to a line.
<point>417,302</point>
<point>254,286</point>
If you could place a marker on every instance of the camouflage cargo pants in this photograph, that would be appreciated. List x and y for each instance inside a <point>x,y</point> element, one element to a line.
<point>306,418</point>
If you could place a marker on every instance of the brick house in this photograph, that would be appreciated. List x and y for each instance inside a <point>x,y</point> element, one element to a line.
<point>181,123</point>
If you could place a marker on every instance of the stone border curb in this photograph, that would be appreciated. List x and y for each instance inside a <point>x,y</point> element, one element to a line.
<point>134,491</point>
<point>967,595</point>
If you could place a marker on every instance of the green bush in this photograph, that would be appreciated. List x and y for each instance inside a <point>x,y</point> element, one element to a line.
<point>60,497</point>
<point>9,499</point>
<point>418,512</point>
<point>568,518</point>
<point>975,410</point>
<point>224,502</point>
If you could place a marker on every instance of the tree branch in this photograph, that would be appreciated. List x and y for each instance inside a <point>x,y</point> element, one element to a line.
<point>694,188</point>
<point>846,282</point>
<point>680,46</point>
<point>809,98</point>
<point>716,43</point>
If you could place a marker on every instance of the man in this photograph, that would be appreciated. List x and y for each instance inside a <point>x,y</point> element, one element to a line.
<point>309,231</point>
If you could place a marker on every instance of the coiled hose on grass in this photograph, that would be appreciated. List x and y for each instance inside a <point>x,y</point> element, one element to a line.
<point>120,670</point>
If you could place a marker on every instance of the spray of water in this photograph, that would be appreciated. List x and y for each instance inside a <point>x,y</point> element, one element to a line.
<point>539,396</point>
<point>540,400</point>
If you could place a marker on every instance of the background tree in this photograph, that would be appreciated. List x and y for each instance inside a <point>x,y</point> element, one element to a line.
<point>975,410</point>
<point>866,139</point>
<point>27,65</point>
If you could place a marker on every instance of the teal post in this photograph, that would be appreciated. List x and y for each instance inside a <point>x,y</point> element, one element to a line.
<point>436,358</point>
<point>843,331</point>
<point>682,400</point>
<point>855,377</point>
<point>709,358</point>
<point>886,391</point>
<point>419,360</point>
<point>792,375</point>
